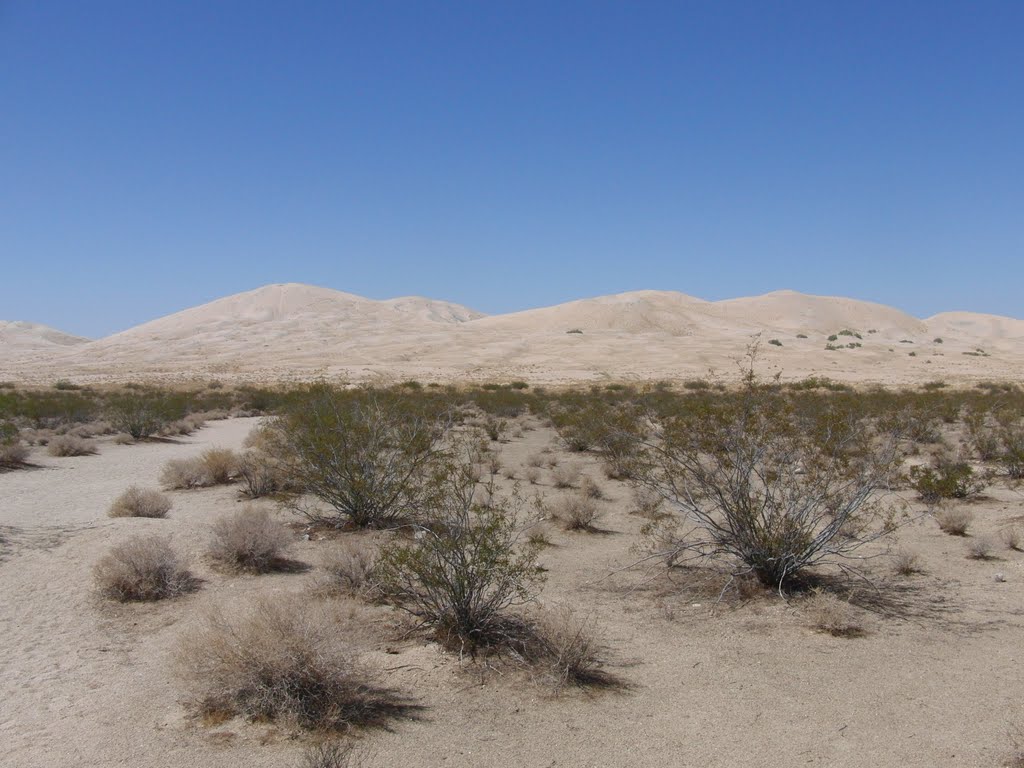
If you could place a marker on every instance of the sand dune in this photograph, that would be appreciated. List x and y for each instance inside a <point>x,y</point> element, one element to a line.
<point>300,331</point>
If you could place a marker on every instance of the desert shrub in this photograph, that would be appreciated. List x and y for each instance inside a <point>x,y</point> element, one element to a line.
<point>568,650</point>
<point>142,568</point>
<point>1012,450</point>
<point>282,661</point>
<point>249,540</point>
<point>954,520</point>
<point>981,436</point>
<point>775,490</point>
<point>331,754</point>
<point>827,613</point>
<point>69,445</point>
<point>140,414</point>
<point>535,460</point>
<point>260,474</point>
<point>1011,537</point>
<point>577,513</point>
<point>12,451</point>
<point>647,503</point>
<point>368,456</point>
<point>980,549</point>
<point>945,479</point>
<point>565,475</point>
<point>214,466</point>
<point>351,569</point>
<point>139,502</point>
<point>906,563</point>
<point>775,342</point>
<point>466,569</point>
<point>123,438</point>
<point>495,428</point>
<point>532,475</point>
<point>590,488</point>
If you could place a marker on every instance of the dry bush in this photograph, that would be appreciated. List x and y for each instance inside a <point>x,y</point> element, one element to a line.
<point>954,520</point>
<point>13,454</point>
<point>827,613</point>
<point>980,549</point>
<point>646,503</point>
<point>261,475</point>
<point>142,568</point>
<point>509,473</point>
<point>590,488</point>
<point>123,439</point>
<point>214,466</point>
<point>906,563</point>
<point>538,536</point>
<point>532,475</point>
<point>139,502</point>
<point>283,661</point>
<point>350,569</point>
<point>567,650</point>
<point>331,754</point>
<point>175,428</point>
<point>249,540</point>
<point>1011,538</point>
<point>535,460</point>
<point>565,476</point>
<point>577,513</point>
<point>69,445</point>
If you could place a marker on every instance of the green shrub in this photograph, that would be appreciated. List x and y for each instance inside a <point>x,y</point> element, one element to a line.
<point>775,342</point>
<point>946,479</point>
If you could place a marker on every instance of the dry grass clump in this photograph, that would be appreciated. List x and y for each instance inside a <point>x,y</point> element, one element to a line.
<point>646,503</point>
<point>532,475</point>
<point>577,513</point>
<point>123,438</point>
<point>249,540</point>
<point>568,651</point>
<point>535,460</point>
<point>565,475</point>
<point>350,569</point>
<point>139,502</point>
<point>980,549</point>
<point>285,662</point>
<point>828,614</point>
<point>1011,537</point>
<point>260,474</point>
<point>590,488</point>
<point>13,454</point>
<point>215,466</point>
<point>954,520</point>
<point>331,754</point>
<point>142,568</point>
<point>70,445</point>
<point>907,563</point>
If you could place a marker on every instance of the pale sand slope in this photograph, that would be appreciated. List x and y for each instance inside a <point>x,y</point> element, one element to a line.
<point>936,681</point>
<point>21,337</point>
<point>300,332</point>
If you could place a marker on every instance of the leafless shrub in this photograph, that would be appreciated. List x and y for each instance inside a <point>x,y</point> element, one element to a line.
<point>1011,538</point>
<point>509,473</point>
<point>283,661</point>
<point>142,568</point>
<point>221,465</point>
<point>954,520</point>
<point>590,488</point>
<point>215,466</point>
<point>646,503</point>
<point>532,475</point>
<point>538,536</point>
<point>577,513</point>
<point>565,476</point>
<point>123,438</point>
<point>535,460</point>
<point>568,650</point>
<point>13,454</point>
<point>980,548</point>
<point>138,502</point>
<point>350,569</point>
<point>331,754</point>
<point>906,563</point>
<point>249,540</point>
<point>69,445</point>
<point>827,613</point>
<point>261,475</point>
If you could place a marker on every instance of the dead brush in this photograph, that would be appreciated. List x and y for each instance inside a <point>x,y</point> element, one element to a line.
<point>906,563</point>
<point>140,502</point>
<point>827,613</point>
<point>70,445</point>
<point>350,570</point>
<point>283,661</point>
<point>647,503</point>
<point>332,754</point>
<point>567,651</point>
<point>249,540</point>
<point>954,520</point>
<point>214,466</point>
<point>590,488</point>
<point>140,569</point>
<point>565,475</point>
<point>980,549</point>
<point>1011,538</point>
<point>577,513</point>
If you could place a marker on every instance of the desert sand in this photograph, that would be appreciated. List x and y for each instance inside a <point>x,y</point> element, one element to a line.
<point>935,681</point>
<point>296,332</point>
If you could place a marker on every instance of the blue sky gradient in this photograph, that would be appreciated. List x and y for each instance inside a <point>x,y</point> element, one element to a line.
<point>507,155</point>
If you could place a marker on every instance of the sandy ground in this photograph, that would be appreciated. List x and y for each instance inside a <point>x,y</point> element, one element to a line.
<point>935,681</point>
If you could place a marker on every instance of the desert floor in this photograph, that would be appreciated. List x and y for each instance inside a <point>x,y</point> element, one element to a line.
<point>934,681</point>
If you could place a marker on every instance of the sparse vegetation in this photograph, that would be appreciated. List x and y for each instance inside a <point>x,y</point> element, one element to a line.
<point>577,512</point>
<point>954,520</point>
<point>249,540</point>
<point>139,502</point>
<point>827,613</point>
<point>945,479</point>
<point>351,569</point>
<point>141,569</point>
<point>69,445</point>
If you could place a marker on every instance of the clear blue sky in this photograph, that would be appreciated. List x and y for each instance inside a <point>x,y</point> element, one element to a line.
<point>507,155</point>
